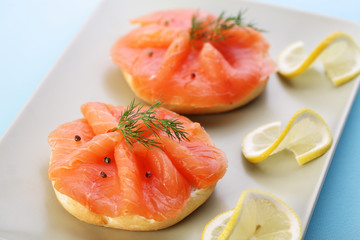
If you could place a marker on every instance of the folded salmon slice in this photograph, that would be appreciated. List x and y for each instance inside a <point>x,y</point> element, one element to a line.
<point>103,173</point>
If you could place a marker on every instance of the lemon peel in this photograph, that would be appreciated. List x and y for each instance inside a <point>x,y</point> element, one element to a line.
<point>257,215</point>
<point>216,226</point>
<point>338,52</point>
<point>306,135</point>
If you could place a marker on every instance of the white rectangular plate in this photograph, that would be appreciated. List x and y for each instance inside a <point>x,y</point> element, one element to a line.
<point>28,207</point>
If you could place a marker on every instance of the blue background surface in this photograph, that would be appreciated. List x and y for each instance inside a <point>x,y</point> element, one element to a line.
<point>35,33</point>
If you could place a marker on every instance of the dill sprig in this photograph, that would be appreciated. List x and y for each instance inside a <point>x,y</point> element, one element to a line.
<point>213,30</point>
<point>133,131</point>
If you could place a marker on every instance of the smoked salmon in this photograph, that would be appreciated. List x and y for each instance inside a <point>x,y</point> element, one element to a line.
<point>97,168</point>
<point>178,56</point>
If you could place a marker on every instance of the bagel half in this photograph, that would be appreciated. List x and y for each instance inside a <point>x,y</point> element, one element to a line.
<point>101,180</point>
<point>194,70</point>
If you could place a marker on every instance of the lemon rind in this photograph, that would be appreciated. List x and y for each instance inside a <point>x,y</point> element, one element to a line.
<point>208,225</point>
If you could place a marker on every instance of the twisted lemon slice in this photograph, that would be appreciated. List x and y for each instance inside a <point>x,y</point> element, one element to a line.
<point>338,52</point>
<point>259,216</point>
<point>306,135</point>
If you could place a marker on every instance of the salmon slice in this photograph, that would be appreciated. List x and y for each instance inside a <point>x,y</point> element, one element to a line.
<point>93,151</point>
<point>196,161</point>
<point>103,173</point>
<point>174,57</point>
<point>155,36</point>
<point>163,60</point>
<point>99,117</point>
<point>78,174</point>
<point>172,17</point>
<point>165,190</point>
<point>130,173</point>
<point>62,139</point>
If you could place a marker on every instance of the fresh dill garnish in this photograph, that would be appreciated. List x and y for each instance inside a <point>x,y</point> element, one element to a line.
<point>213,30</point>
<point>133,120</point>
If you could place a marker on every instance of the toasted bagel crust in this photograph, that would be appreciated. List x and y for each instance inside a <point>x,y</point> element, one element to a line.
<point>132,222</point>
<point>193,109</point>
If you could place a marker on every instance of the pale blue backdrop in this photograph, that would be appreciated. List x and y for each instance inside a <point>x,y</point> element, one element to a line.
<point>34,33</point>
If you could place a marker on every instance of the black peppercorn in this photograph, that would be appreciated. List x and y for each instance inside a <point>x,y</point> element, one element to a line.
<point>107,160</point>
<point>148,174</point>
<point>103,175</point>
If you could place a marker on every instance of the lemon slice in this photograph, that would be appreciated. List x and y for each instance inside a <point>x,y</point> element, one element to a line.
<point>338,52</point>
<point>306,135</point>
<point>257,216</point>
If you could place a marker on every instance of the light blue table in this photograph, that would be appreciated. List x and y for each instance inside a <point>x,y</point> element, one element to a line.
<point>34,34</point>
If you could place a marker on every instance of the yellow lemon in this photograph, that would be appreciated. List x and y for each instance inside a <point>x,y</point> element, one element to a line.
<point>258,215</point>
<point>306,135</point>
<point>338,52</point>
